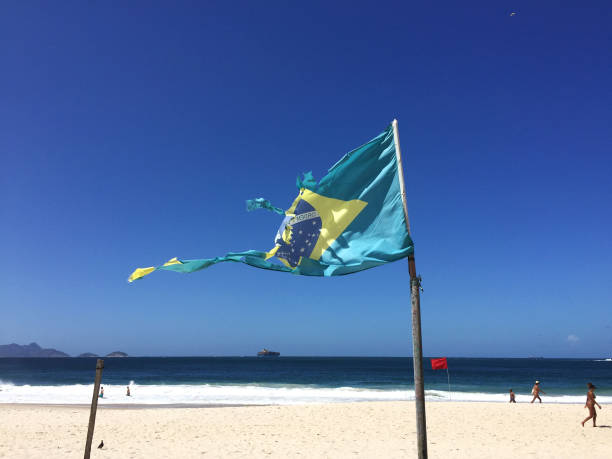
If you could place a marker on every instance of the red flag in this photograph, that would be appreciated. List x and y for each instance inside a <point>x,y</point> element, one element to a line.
<point>439,364</point>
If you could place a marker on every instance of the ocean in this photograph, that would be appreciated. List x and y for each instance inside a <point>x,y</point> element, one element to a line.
<point>295,380</point>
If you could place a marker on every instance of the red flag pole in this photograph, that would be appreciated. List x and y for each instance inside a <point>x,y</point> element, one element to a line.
<point>449,391</point>
<point>415,299</point>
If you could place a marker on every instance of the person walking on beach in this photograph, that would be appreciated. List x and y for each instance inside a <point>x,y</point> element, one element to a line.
<point>590,404</point>
<point>128,392</point>
<point>536,392</point>
<point>101,392</point>
<point>512,400</point>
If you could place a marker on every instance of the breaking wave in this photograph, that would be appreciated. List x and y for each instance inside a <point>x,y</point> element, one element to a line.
<point>248,394</point>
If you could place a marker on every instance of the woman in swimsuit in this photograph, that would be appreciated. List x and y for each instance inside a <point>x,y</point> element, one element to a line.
<point>590,404</point>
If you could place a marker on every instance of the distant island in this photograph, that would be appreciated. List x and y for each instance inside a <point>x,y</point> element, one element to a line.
<point>112,354</point>
<point>117,354</point>
<point>28,350</point>
<point>34,350</point>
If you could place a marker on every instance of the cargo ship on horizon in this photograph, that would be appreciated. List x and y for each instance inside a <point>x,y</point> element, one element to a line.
<point>267,353</point>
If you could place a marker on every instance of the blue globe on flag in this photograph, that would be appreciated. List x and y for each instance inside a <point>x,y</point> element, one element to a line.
<point>305,228</point>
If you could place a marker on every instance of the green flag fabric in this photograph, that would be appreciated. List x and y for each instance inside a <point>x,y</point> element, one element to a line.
<point>350,220</point>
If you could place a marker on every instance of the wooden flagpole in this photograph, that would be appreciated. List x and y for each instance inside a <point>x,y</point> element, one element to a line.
<point>415,299</point>
<point>94,407</point>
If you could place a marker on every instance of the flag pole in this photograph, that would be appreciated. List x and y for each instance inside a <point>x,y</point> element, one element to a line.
<point>415,299</point>
<point>450,396</point>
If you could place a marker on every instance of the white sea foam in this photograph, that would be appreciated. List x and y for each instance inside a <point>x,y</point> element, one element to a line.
<point>206,394</point>
<point>520,398</point>
<point>193,394</point>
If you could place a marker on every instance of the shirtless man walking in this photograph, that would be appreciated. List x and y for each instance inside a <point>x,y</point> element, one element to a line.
<point>536,392</point>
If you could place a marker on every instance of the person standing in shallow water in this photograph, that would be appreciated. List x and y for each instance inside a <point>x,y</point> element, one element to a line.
<point>536,392</point>
<point>512,397</point>
<point>128,392</point>
<point>590,404</point>
<point>101,392</point>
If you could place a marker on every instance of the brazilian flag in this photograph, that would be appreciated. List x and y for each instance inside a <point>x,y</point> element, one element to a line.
<point>350,220</point>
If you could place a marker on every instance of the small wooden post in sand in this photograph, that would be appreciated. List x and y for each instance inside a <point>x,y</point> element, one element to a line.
<point>94,407</point>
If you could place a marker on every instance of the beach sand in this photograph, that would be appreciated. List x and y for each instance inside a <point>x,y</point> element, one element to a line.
<point>372,430</point>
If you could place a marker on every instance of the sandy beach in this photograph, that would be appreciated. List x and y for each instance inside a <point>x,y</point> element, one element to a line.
<point>372,430</point>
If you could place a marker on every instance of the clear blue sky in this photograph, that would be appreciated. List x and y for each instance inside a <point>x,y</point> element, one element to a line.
<point>133,133</point>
